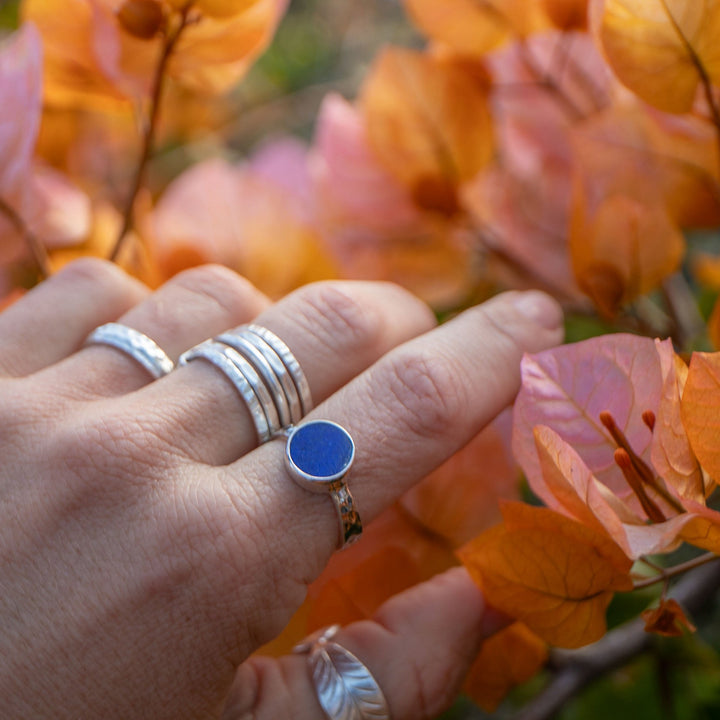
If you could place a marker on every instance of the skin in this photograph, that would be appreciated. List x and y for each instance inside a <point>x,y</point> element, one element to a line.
<point>148,547</point>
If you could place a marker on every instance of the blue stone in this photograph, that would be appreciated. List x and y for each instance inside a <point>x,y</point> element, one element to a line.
<point>321,449</point>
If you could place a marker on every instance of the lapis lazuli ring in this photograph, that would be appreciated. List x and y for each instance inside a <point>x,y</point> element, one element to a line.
<point>318,456</point>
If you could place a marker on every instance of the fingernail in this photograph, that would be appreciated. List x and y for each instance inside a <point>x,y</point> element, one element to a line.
<point>540,309</point>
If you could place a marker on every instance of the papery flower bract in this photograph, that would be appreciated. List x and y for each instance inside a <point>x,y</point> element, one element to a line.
<point>655,47</point>
<point>428,122</point>
<point>91,58</point>
<point>599,435</point>
<point>370,222</point>
<point>549,571</point>
<point>473,28</point>
<point>247,217</point>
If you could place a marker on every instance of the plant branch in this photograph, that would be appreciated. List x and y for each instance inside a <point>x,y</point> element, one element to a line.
<point>688,324</point>
<point>170,41</point>
<point>37,249</point>
<point>667,573</point>
<point>576,669</point>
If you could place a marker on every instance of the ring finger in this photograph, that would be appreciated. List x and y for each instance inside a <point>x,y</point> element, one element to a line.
<point>194,304</point>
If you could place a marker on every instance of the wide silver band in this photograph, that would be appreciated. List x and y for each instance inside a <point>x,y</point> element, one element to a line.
<point>345,687</point>
<point>246,381</point>
<point>137,345</point>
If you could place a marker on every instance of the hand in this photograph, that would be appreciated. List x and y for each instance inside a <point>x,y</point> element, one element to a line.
<point>148,547</point>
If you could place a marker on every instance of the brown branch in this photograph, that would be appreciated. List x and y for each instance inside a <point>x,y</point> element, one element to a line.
<point>37,249</point>
<point>576,669</point>
<point>170,41</point>
<point>666,573</point>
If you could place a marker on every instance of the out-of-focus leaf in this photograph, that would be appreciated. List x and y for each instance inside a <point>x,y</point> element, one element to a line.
<point>508,658</point>
<point>428,122</point>
<point>657,46</point>
<point>473,28</point>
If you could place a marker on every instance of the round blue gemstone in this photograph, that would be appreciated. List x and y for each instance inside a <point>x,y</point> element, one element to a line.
<point>321,449</point>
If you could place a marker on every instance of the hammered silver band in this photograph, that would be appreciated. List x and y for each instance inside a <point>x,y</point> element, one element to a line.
<point>246,381</point>
<point>137,345</point>
<point>345,688</point>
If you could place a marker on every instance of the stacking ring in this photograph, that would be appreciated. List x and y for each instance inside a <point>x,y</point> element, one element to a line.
<point>265,373</point>
<point>137,345</point>
<point>246,381</point>
<point>345,687</point>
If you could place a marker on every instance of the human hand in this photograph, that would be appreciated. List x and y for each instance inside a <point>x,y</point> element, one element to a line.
<point>148,547</point>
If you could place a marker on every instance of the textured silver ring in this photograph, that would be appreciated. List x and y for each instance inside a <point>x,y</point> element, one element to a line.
<point>246,343</point>
<point>137,345</point>
<point>318,456</point>
<point>246,381</point>
<point>290,362</point>
<point>345,688</point>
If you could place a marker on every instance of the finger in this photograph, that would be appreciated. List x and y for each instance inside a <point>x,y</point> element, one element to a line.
<point>334,329</point>
<point>191,307</point>
<point>53,319</point>
<point>418,647</point>
<point>407,414</point>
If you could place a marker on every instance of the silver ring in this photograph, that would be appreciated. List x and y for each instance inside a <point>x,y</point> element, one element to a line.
<point>137,345</point>
<point>318,456</point>
<point>289,361</point>
<point>345,688</point>
<point>258,354</point>
<point>246,381</point>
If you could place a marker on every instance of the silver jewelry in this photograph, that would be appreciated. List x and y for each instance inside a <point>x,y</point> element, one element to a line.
<point>257,352</point>
<point>246,381</point>
<point>318,456</point>
<point>137,345</point>
<point>345,688</point>
<point>289,361</point>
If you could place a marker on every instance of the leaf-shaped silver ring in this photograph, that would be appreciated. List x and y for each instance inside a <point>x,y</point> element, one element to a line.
<point>345,687</point>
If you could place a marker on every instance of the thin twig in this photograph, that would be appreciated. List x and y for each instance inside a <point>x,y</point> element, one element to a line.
<point>37,249</point>
<point>681,304</point>
<point>579,668</point>
<point>667,573</point>
<point>150,129</point>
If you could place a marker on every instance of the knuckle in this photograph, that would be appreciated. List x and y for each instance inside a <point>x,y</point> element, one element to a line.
<point>428,390</point>
<point>219,287</point>
<point>344,320</point>
<point>94,271</point>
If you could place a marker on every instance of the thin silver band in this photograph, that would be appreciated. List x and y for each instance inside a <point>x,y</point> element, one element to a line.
<point>288,359</point>
<point>242,341</point>
<point>279,369</point>
<point>345,688</point>
<point>246,381</point>
<point>137,345</point>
